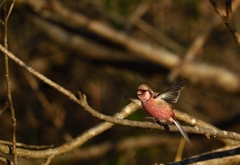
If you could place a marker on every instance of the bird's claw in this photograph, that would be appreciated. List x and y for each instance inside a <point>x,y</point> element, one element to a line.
<point>153,118</point>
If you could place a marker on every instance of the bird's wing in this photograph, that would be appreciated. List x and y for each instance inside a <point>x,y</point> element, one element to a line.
<point>172,93</point>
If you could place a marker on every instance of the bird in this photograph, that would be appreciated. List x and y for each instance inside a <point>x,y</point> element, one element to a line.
<point>158,105</point>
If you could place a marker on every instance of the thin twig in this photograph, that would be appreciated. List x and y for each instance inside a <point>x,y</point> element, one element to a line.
<point>46,104</point>
<point>194,49</point>
<point>25,146</point>
<point>49,160</point>
<point>227,19</point>
<point>180,150</point>
<point>10,101</point>
<point>6,106</point>
<point>228,5</point>
<point>3,3</point>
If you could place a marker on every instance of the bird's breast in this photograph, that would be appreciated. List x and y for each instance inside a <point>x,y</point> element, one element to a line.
<point>159,109</point>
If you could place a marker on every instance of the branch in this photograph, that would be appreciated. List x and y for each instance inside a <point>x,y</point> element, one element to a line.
<point>194,49</point>
<point>191,120</point>
<point>226,155</point>
<point>116,119</point>
<point>76,142</point>
<point>227,19</point>
<point>9,95</point>
<point>195,130</point>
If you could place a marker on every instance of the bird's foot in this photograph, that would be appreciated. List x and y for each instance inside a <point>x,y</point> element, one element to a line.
<point>153,118</point>
<point>164,125</point>
<point>156,120</point>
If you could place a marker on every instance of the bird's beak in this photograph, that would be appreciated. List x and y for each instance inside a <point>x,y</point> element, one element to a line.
<point>139,93</point>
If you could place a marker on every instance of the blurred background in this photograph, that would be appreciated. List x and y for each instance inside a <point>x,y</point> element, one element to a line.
<point>89,58</point>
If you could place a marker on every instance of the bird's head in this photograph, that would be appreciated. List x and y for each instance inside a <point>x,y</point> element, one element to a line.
<point>144,92</point>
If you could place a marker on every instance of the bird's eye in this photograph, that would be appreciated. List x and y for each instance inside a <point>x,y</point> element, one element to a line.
<point>141,91</point>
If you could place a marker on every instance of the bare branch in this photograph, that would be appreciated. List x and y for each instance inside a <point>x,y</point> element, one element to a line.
<point>117,119</point>
<point>194,49</point>
<point>226,155</point>
<point>227,19</point>
<point>49,159</point>
<point>77,142</point>
<point>25,146</point>
<point>191,120</point>
<point>10,101</point>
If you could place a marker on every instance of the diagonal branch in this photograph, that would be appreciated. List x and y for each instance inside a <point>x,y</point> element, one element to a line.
<point>227,19</point>
<point>222,156</point>
<point>76,142</point>
<point>116,119</point>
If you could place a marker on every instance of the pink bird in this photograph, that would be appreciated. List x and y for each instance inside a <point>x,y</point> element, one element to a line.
<point>158,104</point>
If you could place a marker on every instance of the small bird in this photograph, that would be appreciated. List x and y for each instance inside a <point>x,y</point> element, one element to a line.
<point>158,104</point>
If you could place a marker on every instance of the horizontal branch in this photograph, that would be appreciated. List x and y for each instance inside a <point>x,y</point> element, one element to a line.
<point>196,130</point>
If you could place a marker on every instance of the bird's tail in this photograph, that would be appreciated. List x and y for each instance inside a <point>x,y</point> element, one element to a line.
<point>182,131</point>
